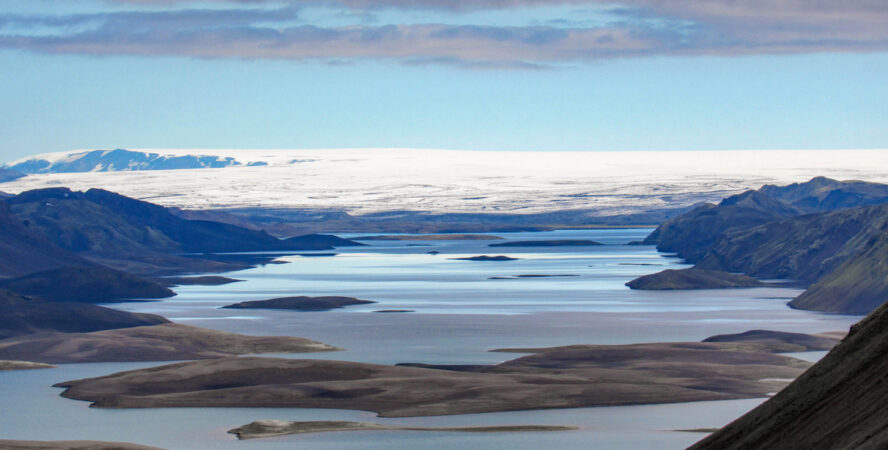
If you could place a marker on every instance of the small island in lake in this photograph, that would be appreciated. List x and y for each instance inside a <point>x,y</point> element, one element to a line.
<point>487,258</point>
<point>429,237</point>
<point>271,428</point>
<point>208,280</point>
<point>549,243</point>
<point>301,303</point>
<point>23,365</point>
<point>672,279</point>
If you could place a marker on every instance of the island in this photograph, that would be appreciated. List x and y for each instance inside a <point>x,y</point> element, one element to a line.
<point>208,280</point>
<point>487,258</point>
<point>165,342</point>
<point>271,428</point>
<point>558,377</point>
<point>531,275</point>
<point>674,279</point>
<point>301,303</point>
<point>429,237</point>
<point>72,445</point>
<point>86,285</point>
<point>23,365</point>
<point>548,243</point>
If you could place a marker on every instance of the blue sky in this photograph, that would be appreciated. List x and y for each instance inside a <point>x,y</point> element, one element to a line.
<point>487,75</point>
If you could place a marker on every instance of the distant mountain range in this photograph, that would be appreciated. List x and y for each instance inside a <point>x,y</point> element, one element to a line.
<point>693,234</point>
<point>9,175</point>
<point>116,160</point>
<point>829,235</point>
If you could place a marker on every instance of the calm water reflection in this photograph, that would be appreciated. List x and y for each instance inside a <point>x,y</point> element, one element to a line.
<point>460,314</point>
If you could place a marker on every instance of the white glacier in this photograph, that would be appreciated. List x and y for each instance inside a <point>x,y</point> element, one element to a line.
<point>372,180</point>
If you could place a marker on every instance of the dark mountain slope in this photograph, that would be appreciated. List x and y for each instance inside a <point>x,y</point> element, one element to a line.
<point>838,403</point>
<point>102,221</point>
<point>24,251</point>
<point>23,315</point>
<point>857,287</point>
<point>804,248</point>
<point>692,234</point>
<point>825,194</point>
<point>86,285</point>
<point>143,237</point>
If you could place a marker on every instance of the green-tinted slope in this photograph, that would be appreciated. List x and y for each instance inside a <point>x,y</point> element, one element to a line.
<point>692,234</point>
<point>857,287</point>
<point>803,248</point>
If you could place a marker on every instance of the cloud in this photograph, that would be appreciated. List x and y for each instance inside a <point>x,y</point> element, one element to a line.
<point>641,28</point>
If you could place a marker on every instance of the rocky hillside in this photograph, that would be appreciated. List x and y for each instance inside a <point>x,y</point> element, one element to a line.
<point>857,287</point>
<point>693,234</point>
<point>803,248</point>
<point>24,251</point>
<point>24,314</point>
<point>86,285</point>
<point>141,237</point>
<point>838,403</point>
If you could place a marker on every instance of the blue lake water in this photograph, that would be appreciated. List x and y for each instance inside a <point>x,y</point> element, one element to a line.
<point>460,314</point>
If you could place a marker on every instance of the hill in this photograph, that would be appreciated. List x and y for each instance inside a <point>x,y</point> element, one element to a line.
<point>858,286</point>
<point>837,403</point>
<point>24,315</point>
<point>9,175</point>
<point>825,194</point>
<point>86,285</point>
<point>804,248</point>
<point>118,160</point>
<point>142,237</point>
<point>692,279</point>
<point>23,251</point>
<point>693,234</point>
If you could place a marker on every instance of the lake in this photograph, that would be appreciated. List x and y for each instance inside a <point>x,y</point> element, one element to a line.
<point>460,313</point>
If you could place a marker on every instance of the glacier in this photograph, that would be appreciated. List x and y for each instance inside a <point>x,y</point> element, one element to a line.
<point>361,181</point>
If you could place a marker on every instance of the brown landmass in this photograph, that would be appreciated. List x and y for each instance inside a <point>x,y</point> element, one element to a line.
<point>71,445</point>
<point>429,237</point>
<point>561,377</point>
<point>271,428</point>
<point>167,342</point>
<point>301,303</point>
<point>23,365</point>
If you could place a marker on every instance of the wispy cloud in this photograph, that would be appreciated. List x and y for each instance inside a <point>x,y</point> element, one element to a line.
<point>259,29</point>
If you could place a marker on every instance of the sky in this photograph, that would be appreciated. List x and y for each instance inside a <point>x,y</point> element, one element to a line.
<point>579,75</point>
